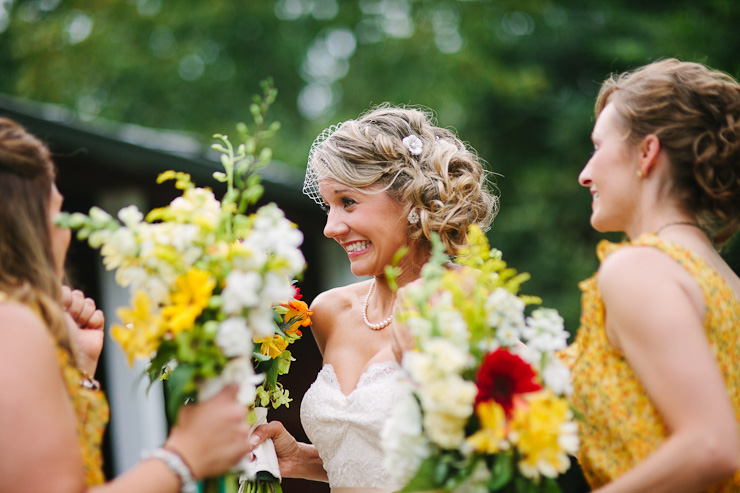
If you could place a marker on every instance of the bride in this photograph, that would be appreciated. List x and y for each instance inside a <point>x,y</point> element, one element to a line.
<point>389,179</point>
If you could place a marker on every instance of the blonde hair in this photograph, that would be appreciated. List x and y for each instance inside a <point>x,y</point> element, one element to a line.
<point>695,113</point>
<point>27,272</point>
<point>446,183</point>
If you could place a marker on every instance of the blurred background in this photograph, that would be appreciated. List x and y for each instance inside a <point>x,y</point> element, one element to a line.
<point>123,89</point>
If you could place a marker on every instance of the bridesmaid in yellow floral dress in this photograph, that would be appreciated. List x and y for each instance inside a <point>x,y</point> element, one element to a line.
<point>657,358</point>
<point>52,413</point>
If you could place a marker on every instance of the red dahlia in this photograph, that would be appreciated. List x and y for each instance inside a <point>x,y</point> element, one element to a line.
<point>503,375</point>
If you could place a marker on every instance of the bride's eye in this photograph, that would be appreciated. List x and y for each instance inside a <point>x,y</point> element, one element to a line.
<point>347,202</point>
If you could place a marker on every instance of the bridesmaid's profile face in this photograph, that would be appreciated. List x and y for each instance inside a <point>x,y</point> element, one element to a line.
<point>611,173</point>
<point>60,237</point>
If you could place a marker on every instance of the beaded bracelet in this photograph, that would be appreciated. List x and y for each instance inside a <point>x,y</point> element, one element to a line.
<point>177,465</point>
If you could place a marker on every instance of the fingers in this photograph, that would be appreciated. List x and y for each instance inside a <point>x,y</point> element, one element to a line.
<point>66,296</point>
<point>97,320</point>
<point>82,309</point>
<point>273,429</point>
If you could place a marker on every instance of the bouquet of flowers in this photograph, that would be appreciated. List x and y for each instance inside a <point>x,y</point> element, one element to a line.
<point>213,299</point>
<point>486,407</point>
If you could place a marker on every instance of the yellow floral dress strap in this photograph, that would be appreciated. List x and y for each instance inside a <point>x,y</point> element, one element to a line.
<point>92,411</point>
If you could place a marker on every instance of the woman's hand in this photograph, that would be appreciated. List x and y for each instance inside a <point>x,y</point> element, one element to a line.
<point>296,459</point>
<point>85,323</point>
<point>211,436</point>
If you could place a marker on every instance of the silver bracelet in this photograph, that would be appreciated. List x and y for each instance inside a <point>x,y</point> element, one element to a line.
<point>177,465</point>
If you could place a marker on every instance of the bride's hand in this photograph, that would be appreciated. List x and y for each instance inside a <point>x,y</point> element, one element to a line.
<point>296,459</point>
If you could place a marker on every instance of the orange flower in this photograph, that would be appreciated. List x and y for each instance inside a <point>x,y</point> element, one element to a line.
<point>300,316</point>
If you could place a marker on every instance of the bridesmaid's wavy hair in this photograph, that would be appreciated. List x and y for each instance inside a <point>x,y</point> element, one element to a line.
<point>446,182</point>
<point>695,113</point>
<point>27,273</point>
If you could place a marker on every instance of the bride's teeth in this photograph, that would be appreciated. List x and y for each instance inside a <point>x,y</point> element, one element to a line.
<point>360,245</point>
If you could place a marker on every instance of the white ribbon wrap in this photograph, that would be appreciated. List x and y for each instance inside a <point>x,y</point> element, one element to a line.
<point>265,458</point>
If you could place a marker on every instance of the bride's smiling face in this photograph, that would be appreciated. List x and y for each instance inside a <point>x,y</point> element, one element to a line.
<point>368,223</point>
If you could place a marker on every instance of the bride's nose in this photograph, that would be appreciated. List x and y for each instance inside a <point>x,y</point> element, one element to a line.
<point>335,224</point>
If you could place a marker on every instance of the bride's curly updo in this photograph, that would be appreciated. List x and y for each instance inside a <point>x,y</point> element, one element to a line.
<point>432,171</point>
<point>695,113</point>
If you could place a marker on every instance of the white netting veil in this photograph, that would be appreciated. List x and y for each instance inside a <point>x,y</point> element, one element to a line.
<point>313,168</point>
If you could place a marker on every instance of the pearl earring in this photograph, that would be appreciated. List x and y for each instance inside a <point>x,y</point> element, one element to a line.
<point>413,217</point>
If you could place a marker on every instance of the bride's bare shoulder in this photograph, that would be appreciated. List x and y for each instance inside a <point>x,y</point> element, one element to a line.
<point>339,299</point>
<point>332,306</point>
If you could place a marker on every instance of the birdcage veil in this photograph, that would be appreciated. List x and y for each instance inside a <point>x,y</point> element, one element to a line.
<point>311,181</point>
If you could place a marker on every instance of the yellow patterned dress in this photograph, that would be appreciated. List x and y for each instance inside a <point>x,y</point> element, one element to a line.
<point>91,411</point>
<point>619,425</point>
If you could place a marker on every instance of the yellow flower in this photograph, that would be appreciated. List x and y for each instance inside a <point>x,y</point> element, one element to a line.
<point>141,331</point>
<point>492,417</point>
<point>272,346</point>
<point>537,425</point>
<point>194,290</point>
<point>299,311</point>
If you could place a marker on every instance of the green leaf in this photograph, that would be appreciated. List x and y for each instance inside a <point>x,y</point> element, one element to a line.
<point>178,385</point>
<point>424,479</point>
<point>549,485</point>
<point>502,470</point>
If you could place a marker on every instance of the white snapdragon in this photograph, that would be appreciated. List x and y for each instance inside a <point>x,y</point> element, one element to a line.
<point>262,321</point>
<point>419,366</point>
<point>447,404</point>
<point>276,288</point>
<point>545,330</point>
<point>238,371</point>
<point>130,216</point>
<point>420,327</point>
<point>404,443</point>
<point>451,325</point>
<point>199,206</point>
<point>234,337</point>
<point>447,357</point>
<point>273,230</point>
<point>557,376</point>
<point>98,216</point>
<point>118,247</point>
<point>505,312</point>
<point>241,291</point>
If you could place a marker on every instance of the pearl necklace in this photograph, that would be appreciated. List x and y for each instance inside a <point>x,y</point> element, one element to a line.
<point>378,326</point>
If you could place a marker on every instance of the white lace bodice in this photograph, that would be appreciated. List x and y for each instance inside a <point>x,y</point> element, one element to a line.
<point>346,428</point>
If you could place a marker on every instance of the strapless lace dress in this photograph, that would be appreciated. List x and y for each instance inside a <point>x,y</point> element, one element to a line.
<point>346,428</point>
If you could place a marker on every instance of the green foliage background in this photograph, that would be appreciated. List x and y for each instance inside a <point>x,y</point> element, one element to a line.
<point>516,78</point>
